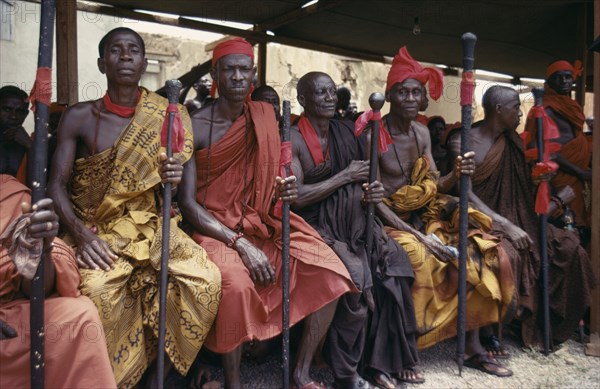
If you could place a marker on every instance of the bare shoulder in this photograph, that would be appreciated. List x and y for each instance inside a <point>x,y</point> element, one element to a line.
<point>201,119</point>
<point>75,116</point>
<point>296,138</point>
<point>421,130</point>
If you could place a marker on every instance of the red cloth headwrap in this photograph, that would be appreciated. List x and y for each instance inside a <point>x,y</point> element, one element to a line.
<point>558,66</point>
<point>405,67</point>
<point>231,46</point>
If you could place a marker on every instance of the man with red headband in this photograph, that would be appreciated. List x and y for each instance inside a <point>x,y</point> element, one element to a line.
<point>106,184</point>
<point>425,222</point>
<point>574,151</point>
<point>229,194</point>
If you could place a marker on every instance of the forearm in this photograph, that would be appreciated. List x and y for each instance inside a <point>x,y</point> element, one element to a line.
<point>567,166</point>
<point>64,210</point>
<point>447,182</point>
<point>314,193</point>
<point>498,219</point>
<point>204,222</point>
<point>389,218</point>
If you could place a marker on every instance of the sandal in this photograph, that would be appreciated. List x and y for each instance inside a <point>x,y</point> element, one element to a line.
<point>494,347</point>
<point>487,364</point>
<point>410,376</point>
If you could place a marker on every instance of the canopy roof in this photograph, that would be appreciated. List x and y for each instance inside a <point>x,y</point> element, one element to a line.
<point>519,38</point>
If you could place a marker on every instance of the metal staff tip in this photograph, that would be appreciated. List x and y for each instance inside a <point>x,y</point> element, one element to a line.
<point>173,87</point>
<point>376,101</point>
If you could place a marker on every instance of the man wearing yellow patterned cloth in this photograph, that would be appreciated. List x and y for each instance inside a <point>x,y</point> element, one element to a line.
<point>110,206</point>
<point>425,222</point>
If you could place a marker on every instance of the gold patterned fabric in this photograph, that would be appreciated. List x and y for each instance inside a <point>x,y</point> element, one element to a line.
<point>117,192</point>
<point>490,285</point>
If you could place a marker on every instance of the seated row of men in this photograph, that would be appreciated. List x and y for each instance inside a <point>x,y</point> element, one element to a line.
<point>373,310</point>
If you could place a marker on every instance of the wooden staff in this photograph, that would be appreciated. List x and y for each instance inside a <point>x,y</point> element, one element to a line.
<point>172,87</point>
<point>538,95</point>
<point>376,101</point>
<point>467,86</point>
<point>285,254</point>
<point>38,179</point>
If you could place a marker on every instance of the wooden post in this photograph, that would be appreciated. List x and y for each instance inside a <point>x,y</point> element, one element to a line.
<point>593,348</point>
<point>66,52</point>
<point>581,53</point>
<point>262,64</point>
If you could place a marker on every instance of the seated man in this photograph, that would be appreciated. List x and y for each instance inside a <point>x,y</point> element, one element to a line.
<point>202,98</point>
<point>415,209</point>
<point>503,189</point>
<point>114,220</point>
<point>14,140</point>
<point>75,349</point>
<point>332,175</point>
<point>228,195</point>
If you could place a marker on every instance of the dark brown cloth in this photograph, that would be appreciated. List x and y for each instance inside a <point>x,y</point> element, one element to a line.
<point>386,277</point>
<point>504,183</point>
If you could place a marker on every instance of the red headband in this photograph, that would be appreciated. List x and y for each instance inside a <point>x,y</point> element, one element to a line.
<point>559,66</point>
<point>405,67</point>
<point>231,46</point>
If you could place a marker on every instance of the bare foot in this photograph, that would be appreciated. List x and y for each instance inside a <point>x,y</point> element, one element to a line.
<point>411,376</point>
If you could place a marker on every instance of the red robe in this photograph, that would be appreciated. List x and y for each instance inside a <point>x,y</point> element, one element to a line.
<point>75,347</point>
<point>317,276</point>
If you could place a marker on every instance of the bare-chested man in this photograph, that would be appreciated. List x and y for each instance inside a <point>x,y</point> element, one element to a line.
<point>105,181</point>
<point>503,189</point>
<point>229,194</point>
<point>329,162</point>
<point>575,152</point>
<point>424,221</point>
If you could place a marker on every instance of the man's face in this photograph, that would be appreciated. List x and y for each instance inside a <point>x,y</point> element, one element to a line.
<point>436,130</point>
<point>509,111</point>
<point>124,60</point>
<point>561,82</point>
<point>233,74</point>
<point>320,99</point>
<point>272,98</point>
<point>203,85</point>
<point>405,98</point>
<point>13,111</point>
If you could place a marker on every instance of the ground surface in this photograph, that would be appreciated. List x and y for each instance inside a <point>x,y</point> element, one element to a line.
<point>567,367</point>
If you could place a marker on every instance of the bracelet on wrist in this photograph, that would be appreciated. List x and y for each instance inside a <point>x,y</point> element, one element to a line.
<point>234,239</point>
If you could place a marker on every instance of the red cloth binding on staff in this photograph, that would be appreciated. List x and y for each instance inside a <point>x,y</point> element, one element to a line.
<point>285,160</point>
<point>42,88</point>
<point>177,134</point>
<point>542,198</point>
<point>550,132</point>
<point>467,88</point>
<point>363,121</point>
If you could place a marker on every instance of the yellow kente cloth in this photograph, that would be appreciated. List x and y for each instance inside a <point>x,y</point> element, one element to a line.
<point>490,285</point>
<point>117,191</point>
